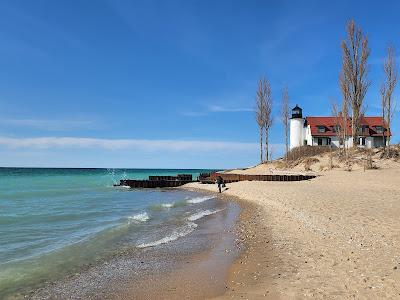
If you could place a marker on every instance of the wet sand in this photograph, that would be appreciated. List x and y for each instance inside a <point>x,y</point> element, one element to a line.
<point>336,236</point>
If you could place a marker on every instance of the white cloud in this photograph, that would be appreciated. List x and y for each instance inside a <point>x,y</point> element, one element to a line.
<point>119,144</point>
<point>217,108</point>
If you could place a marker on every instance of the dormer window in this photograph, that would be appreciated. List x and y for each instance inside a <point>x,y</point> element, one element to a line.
<point>379,129</point>
<point>321,129</point>
<point>363,129</point>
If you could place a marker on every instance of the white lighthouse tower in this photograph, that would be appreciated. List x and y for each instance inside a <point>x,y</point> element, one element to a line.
<point>296,128</point>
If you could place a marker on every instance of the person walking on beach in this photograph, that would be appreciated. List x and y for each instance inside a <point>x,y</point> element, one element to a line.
<point>220,183</point>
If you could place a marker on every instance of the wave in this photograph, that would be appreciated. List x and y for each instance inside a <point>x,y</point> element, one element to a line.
<point>202,214</point>
<point>176,234</point>
<point>124,186</point>
<point>162,206</point>
<point>199,199</point>
<point>140,217</point>
<point>168,205</point>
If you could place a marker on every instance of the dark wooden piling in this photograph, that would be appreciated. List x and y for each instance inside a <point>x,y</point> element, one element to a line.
<point>229,178</point>
<point>158,181</point>
<point>181,179</point>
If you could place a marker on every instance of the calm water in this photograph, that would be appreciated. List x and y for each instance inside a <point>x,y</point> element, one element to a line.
<point>54,221</point>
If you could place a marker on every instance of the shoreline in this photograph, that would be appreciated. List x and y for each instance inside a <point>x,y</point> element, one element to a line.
<point>256,249</point>
<point>195,265</point>
<point>335,236</point>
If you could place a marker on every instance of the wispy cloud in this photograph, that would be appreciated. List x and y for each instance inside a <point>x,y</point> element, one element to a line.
<point>211,109</point>
<point>49,125</point>
<point>218,108</point>
<point>120,144</point>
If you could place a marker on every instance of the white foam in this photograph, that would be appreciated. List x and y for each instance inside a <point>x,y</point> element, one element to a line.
<point>141,217</point>
<point>199,199</point>
<point>176,234</point>
<point>202,214</point>
<point>168,205</point>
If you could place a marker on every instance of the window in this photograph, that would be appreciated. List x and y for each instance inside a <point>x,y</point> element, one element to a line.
<point>379,129</point>
<point>321,129</point>
<point>363,129</point>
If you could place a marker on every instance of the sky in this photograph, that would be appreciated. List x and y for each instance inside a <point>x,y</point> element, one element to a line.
<point>170,84</point>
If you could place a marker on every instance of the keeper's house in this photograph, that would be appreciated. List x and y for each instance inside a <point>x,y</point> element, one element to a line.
<point>324,131</point>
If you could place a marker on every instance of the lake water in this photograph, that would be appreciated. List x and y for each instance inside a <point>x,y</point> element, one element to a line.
<point>54,221</point>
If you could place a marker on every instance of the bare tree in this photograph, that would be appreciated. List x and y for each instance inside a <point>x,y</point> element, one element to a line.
<point>266,87</point>
<point>337,117</point>
<point>346,100</point>
<point>285,118</point>
<point>387,88</point>
<point>383,104</point>
<point>355,53</point>
<point>260,115</point>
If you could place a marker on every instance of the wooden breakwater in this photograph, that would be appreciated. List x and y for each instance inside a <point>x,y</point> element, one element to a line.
<point>157,181</point>
<point>229,178</point>
<point>181,179</point>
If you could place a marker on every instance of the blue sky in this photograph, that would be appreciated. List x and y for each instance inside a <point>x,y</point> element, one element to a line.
<point>169,83</point>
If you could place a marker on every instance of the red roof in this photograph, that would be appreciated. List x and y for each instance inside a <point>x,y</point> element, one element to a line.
<point>368,123</point>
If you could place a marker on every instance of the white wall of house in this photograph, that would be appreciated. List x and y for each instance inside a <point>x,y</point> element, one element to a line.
<point>324,140</point>
<point>313,140</point>
<point>349,142</point>
<point>308,136</point>
<point>369,142</point>
<point>335,142</point>
<point>300,135</point>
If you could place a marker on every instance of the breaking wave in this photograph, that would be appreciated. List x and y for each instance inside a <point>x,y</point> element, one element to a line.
<point>176,234</point>
<point>202,214</point>
<point>199,199</point>
<point>140,217</point>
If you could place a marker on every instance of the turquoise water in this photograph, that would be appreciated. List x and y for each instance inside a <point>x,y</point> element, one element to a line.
<point>54,221</point>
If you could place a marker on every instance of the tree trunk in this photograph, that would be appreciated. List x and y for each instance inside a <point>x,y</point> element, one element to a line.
<point>287,144</point>
<point>389,117</point>
<point>261,145</point>
<point>354,129</point>
<point>383,133</point>
<point>266,145</point>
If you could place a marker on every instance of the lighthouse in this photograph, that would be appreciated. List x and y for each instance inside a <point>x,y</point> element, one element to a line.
<point>296,127</point>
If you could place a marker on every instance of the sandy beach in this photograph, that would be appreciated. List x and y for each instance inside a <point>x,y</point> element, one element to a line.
<point>336,236</point>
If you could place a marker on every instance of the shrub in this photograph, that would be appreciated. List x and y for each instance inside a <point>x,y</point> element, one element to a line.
<point>309,161</point>
<point>306,151</point>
